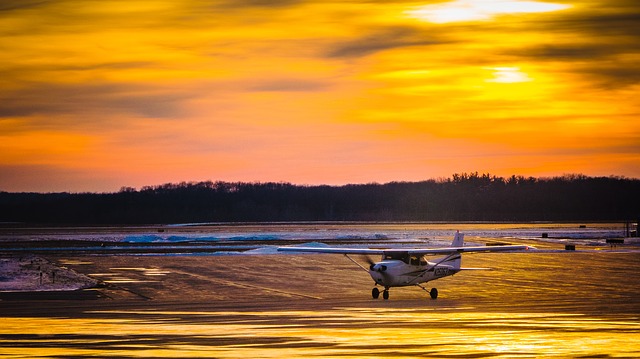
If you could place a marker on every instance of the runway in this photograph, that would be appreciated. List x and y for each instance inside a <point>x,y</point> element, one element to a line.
<point>580,304</point>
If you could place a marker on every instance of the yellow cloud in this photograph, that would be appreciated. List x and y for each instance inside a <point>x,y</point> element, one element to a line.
<point>479,10</point>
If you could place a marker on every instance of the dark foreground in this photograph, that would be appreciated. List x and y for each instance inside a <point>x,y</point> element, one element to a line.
<point>574,304</point>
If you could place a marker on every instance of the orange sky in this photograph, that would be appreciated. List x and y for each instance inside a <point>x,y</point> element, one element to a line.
<point>96,95</point>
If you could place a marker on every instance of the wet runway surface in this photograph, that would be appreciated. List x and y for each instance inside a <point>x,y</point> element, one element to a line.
<point>561,304</point>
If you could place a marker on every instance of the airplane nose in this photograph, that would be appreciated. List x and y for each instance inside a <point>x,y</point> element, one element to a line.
<point>378,267</point>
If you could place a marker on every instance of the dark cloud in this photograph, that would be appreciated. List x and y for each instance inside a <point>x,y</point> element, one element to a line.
<point>603,62</point>
<point>11,71</point>
<point>598,18</point>
<point>606,37</point>
<point>381,40</point>
<point>288,85</point>
<point>612,75</point>
<point>615,17</point>
<point>260,3</point>
<point>611,21</point>
<point>597,24</point>
<point>90,99</point>
<point>210,7</point>
<point>12,5</point>
<point>569,52</point>
<point>52,178</point>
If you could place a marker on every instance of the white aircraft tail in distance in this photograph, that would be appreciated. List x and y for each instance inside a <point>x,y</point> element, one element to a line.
<point>401,267</point>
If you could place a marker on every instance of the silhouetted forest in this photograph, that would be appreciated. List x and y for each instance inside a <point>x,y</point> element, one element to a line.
<point>463,197</point>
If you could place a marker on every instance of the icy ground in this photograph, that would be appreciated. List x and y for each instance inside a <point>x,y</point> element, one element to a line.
<point>26,272</point>
<point>32,273</point>
<point>591,234</point>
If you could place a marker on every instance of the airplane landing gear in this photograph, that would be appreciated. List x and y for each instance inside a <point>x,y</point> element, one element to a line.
<point>433,293</point>
<point>375,293</point>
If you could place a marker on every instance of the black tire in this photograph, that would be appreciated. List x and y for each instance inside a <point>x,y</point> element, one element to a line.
<point>433,293</point>
<point>385,295</point>
<point>375,293</point>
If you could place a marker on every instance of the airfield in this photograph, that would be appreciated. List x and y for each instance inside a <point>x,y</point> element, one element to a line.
<point>550,303</point>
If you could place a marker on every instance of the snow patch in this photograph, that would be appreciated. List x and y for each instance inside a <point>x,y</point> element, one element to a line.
<point>32,273</point>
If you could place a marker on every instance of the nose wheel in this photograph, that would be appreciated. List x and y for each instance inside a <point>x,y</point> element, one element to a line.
<point>375,293</point>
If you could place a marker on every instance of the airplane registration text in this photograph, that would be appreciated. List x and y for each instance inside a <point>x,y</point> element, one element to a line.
<point>442,271</point>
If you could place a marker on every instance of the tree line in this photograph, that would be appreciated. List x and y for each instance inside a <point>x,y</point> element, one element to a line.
<point>463,197</point>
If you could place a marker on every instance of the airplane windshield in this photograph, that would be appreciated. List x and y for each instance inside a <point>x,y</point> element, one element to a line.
<point>399,256</point>
<point>413,259</point>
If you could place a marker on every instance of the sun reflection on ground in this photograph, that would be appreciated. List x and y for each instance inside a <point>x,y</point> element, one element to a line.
<point>360,332</point>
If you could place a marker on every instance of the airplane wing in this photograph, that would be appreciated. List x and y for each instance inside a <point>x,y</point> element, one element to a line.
<point>334,250</point>
<point>416,251</point>
<point>448,250</point>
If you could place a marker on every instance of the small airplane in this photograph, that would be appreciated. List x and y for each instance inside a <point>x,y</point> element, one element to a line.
<point>401,267</point>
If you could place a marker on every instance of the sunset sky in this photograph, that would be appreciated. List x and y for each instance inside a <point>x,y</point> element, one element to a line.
<point>100,94</point>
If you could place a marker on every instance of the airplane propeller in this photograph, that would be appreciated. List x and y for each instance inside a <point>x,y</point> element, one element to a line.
<point>369,261</point>
<point>372,265</point>
<point>382,269</point>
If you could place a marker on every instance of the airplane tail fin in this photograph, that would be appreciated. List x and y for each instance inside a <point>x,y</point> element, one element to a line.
<point>458,241</point>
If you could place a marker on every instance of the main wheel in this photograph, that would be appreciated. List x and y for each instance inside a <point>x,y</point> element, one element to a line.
<point>375,293</point>
<point>433,293</point>
<point>385,295</point>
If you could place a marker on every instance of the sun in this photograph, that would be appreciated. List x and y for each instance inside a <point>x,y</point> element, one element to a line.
<point>479,10</point>
<point>508,75</point>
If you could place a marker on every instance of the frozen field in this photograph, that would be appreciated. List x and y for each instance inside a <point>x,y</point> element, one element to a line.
<point>229,239</point>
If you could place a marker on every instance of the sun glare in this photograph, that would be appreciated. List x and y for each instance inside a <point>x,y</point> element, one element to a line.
<point>479,10</point>
<point>508,75</point>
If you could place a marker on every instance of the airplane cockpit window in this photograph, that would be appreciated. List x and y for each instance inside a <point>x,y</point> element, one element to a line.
<point>415,260</point>
<point>399,256</point>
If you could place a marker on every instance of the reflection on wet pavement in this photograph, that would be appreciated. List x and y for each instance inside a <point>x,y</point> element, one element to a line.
<point>353,332</point>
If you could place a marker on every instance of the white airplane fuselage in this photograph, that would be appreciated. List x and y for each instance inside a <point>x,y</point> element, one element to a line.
<point>397,273</point>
